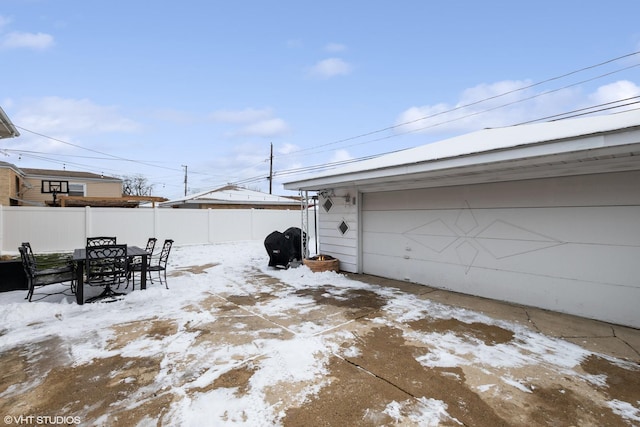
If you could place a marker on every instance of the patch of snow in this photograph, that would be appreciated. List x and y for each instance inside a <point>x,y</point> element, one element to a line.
<point>295,352</point>
<point>517,384</point>
<point>625,410</point>
<point>485,387</point>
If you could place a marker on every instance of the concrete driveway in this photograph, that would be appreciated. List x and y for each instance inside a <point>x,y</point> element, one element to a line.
<point>383,352</point>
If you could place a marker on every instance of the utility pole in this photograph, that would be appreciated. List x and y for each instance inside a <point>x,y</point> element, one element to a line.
<point>271,169</point>
<point>185,180</point>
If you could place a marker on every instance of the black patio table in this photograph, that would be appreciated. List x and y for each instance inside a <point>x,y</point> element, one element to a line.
<point>80,256</point>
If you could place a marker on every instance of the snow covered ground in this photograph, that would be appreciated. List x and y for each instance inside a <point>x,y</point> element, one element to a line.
<point>225,310</point>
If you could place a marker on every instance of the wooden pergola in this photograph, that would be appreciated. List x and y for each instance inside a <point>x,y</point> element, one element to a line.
<point>108,202</point>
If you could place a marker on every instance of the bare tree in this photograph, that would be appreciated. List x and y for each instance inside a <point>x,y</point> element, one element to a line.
<point>136,185</point>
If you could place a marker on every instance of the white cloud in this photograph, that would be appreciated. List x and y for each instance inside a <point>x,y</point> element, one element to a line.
<point>17,40</point>
<point>266,128</point>
<point>174,116</point>
<point>498,104</point>
<point>335,47</point>
<point>4,21</point>
<point>6,103</point>
<point>247,115</point>
<point>340,156</point>
<point>330,67</point>
<point>67,120</point>
<point>615,91</point>
<point>253,122</point>
<point>242,160</point>
<point>287,148</point>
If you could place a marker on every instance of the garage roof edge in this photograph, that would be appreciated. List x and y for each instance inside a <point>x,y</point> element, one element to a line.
<point>486,146</point>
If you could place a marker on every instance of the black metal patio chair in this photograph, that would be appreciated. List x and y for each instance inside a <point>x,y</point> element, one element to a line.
<point>40,276</point>
<point>134,264</point>
<point>106,266</point>
<point>101,241</point>
<point>158,264</point>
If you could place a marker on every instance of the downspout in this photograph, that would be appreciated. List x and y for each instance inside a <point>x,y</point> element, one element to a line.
<point>304,223</point>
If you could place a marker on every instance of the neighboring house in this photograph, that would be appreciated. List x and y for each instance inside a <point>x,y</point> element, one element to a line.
<point>545,215</point>
<point>25,186</point>
<point>35,187</point>
<point>234,197</point>
<point>45,187</point>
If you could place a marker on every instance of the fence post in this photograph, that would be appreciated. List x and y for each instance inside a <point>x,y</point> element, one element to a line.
<point>156,215</point>
<point>209,225</point>
<point>252,230</point>
<point>87,222</point>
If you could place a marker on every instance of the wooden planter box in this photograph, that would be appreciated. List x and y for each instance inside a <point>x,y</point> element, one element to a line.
<point>322,263</point>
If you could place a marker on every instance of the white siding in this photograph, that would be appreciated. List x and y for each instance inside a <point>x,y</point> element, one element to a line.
<point>331,241</point>
<point>567,244</point>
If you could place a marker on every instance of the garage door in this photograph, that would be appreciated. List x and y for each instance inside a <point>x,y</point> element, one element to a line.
<point>567,244</point>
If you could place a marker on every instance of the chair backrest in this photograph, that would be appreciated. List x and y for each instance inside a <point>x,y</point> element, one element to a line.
<point>151,245</point>
<point>164,254</point>
<point>100,241</point>
<point>28,253</point>
<point>28,260</point>
<point>106,263</point>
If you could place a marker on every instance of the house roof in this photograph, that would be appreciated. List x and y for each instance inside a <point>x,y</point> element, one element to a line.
<point>566,147</point>
<point>7,129</point>
<point>232,194</point>
<point>51,173</point>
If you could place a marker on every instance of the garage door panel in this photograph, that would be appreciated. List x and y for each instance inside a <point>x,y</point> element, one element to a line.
<point>553,293</point>
<point>416,222</point>
<point>618,225</point>
<point>389,244</point>
<point>600,264</point>
<point>567,244</point>
<point>541,256</point>
<point>383,265</point>
<point>600,225</point>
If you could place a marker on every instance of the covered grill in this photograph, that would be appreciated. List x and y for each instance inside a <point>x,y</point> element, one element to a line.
<point>284,248</point>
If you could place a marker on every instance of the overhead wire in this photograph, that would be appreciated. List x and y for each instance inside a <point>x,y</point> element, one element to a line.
<point>93,150</point>
<point>569,114</point>
<point>316,147</point>
<point>583,111</point>
<point>470,104</point>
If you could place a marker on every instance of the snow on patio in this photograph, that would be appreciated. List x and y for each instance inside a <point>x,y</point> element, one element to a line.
<point>235,342</point>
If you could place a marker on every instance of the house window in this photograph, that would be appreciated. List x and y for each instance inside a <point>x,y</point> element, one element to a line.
<point>77,189</point>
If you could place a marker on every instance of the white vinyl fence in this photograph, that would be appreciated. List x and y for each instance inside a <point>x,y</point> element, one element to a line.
<point>64,229</point>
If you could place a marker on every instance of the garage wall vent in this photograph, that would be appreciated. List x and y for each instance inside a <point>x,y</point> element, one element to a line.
<point>327,205</point>
<point>343,227</point>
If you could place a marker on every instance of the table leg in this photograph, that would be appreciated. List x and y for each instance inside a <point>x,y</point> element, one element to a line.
<point>143,272</point>
<point>80,283</point>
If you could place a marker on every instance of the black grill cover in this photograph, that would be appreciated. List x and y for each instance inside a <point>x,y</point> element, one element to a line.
<point>294,234</point>
<point>279,249</point>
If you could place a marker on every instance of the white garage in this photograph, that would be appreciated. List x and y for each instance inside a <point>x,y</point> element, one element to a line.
<point>546,215</point>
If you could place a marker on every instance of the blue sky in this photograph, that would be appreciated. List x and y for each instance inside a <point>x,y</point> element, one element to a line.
<point>147,87</point>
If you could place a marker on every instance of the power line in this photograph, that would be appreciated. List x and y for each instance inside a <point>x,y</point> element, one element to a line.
<point>92,150</point>
<point>334,164</point>
<point>460,107</point>
<point>581,110</point>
